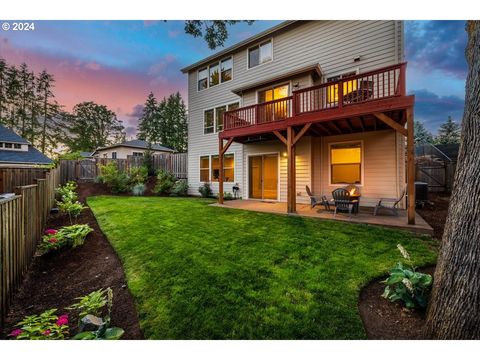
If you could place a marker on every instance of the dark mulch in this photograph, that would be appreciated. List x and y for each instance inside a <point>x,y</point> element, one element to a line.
<point>436,213</point>
<point>384,320</point>
<point>55,280</point>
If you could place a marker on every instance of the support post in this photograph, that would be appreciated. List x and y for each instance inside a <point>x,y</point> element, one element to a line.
<point>291,181</point>
<point>410,168</point>
<point>220,175</point>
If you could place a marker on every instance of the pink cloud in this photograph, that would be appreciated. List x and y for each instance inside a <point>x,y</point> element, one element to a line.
<point>93,66</point>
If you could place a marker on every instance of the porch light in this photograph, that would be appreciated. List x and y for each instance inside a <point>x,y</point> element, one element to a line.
<point>284,154</point>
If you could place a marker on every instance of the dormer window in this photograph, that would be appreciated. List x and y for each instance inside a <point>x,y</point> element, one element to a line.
<point>8,145</point>
<point>260,54</point>
<point>214,74</point>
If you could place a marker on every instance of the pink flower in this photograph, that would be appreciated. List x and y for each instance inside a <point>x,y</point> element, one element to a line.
<point>46,332</point>
<point>50,232</point>
<point>62,320</point>
<point>16,332</point>
<point>52,240</point>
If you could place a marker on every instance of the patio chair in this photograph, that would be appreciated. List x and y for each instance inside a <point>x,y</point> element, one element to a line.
<point>390,204</point>
<point>341,197</point>
<point>317,200</point>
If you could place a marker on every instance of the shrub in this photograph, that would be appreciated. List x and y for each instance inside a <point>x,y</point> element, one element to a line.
<point>407,285</point>
<point>67,191</point>
<point>206,190</point>
<point>117,181</point>
<point>180,188</point>
<point>73,236</point>
<point>68,203</point>
<point>148,161</point>
<point>92,303</point>
<point>46,326</point>
<point>227,196</point>
<point>165,182</point>
<point>138,175</point>
<point>138,189</point>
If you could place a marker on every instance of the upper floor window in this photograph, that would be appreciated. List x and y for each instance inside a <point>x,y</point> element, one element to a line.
<point>213,118</point>
<point>260,54</point>
<point>137,153</point>
<point>208,122</point>
<point>114,155</point>
<point>17,146</point>
<point>214,74</point>
<point>348,86</point>
<point>8,145</point>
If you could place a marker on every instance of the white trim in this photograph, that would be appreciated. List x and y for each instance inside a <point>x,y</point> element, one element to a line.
<point>247,172</point>
<point>220,82</point>
<point>215,115</point>
<point>258,44</point>
<point>210,168</point>
<point>362,170</point>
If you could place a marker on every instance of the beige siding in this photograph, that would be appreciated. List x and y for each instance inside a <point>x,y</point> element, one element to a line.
<point>383,169</point>
<point>122,152</point>
<point>332,44</point>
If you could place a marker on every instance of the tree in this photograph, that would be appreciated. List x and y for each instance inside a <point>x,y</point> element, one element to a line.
<point>449,133</point>
<point>3,89</point>
<point>149,123</point>
<point>454,310</point>
<point>422,135</point>
<point>49,109</point>
<point>215,32</point>
<point>92,126</point>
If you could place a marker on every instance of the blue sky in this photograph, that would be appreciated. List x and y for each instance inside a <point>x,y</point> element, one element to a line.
<point>118,63</point>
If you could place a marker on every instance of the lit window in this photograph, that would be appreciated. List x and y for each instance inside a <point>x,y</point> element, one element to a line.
<point>226,69</point>
<point>348,86</point>
<point>202,79</point>
<point>219,116</point>
<point>228,168</point>
<point>214,75</point>
<point>208,122</point>
<point>260,54</point>
<point>204,168</point>
<point>346,163</point>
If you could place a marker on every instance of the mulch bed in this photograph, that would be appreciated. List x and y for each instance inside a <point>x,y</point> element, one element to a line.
<point>56,279</point>
<point>436,213</point>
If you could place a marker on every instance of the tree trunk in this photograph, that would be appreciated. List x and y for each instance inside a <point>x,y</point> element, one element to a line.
<point>454,311</point>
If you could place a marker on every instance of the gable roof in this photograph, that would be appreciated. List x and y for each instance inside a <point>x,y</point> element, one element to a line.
<point>137,144</point>
<point>240,45</point>
<point>7,135</point>
<point>32,156</point>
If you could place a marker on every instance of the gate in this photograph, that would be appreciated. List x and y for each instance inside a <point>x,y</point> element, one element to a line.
<point>86,169</point>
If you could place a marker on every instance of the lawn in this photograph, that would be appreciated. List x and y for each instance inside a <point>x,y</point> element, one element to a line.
<point>204,272</point>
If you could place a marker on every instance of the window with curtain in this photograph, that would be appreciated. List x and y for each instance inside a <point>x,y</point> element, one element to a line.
<point>346,163</point>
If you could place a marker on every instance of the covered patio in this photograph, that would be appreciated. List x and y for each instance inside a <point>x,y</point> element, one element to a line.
<point>364,216</point>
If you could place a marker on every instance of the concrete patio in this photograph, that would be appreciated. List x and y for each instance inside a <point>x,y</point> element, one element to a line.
<point>365,215</point>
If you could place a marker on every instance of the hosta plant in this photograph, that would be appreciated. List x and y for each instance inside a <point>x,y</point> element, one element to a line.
<point>407,285</point>
<point>73,235</point>
<point>93,303</point>
<point>46,326</point>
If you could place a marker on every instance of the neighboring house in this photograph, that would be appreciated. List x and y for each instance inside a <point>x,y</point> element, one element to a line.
<point>15,151</point>
<point>86,154</point>
<point>129,148</point>
<point>317,103</point>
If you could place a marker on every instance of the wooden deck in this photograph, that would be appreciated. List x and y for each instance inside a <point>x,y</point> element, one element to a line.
<point>365,216</point>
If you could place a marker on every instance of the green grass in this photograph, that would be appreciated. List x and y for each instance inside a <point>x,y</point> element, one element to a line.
<point>203,272</point>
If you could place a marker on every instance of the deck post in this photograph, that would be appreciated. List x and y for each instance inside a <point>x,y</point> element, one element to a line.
<point>220,172</point>
<point>410,168</point>
<point>291,180</point>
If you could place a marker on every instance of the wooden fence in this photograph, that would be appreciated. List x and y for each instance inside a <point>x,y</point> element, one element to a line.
<point>88,169</point>
<point>22,218</point>
<point>10,178</point>
<point>434,167</point>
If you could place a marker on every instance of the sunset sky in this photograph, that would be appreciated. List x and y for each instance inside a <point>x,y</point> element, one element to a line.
<point>117,63</point>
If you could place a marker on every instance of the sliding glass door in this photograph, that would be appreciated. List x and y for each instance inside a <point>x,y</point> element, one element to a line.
<point>263,177</point>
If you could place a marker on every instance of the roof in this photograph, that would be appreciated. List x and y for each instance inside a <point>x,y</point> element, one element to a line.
<point>137,144</point>
<point>85,154</point>
<point>305,69</point>
<point>32,156</point>
<point>240,45</point>
<point>7,135</point>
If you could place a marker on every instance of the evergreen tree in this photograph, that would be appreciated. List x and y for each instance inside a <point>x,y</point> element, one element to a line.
<point>449,132</point>
<point>3,90</point>
<point>49,110</point>
<point>148,128</point>
<point>422,135</point>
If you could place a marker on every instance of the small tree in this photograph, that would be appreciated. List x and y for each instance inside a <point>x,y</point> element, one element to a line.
<point>449,132</point>
<point>422,135</point>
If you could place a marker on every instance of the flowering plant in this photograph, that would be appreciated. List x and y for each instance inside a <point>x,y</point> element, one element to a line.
<point>46,326</point>
<point>73,235</point>
<point>406,284</point>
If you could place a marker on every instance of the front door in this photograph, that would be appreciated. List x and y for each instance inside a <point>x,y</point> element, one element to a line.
<point>263,177</point>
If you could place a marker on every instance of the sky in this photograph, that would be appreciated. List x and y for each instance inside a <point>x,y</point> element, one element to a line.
<point>118,63</point>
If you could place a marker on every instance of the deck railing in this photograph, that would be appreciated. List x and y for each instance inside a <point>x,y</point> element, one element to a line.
<point>370,86</point>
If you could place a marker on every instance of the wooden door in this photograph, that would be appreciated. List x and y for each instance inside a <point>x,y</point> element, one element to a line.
<point>263,177</point>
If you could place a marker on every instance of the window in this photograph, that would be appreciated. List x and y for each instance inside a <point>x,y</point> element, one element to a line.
<point>214,75</point>
<point>202,79</point>
<point>346,163</point>
<point>1,144</point>
<point>226,69</point>
<point>204,168</point>
<point>8,145</point>
<point>219,117</point>
<point>260,54</point>
<point>137,153</point>
<point>208,122</point>
<point>348,86</point>
<point>228,168</point>
<point>114,154</point>
<point>17,146</point>
<point>275,93</point>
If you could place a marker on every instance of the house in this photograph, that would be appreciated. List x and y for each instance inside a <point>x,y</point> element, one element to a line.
<point>15,151</point>
<point>86,154</point>
<point>306,103</point>
<point>129,148</point>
